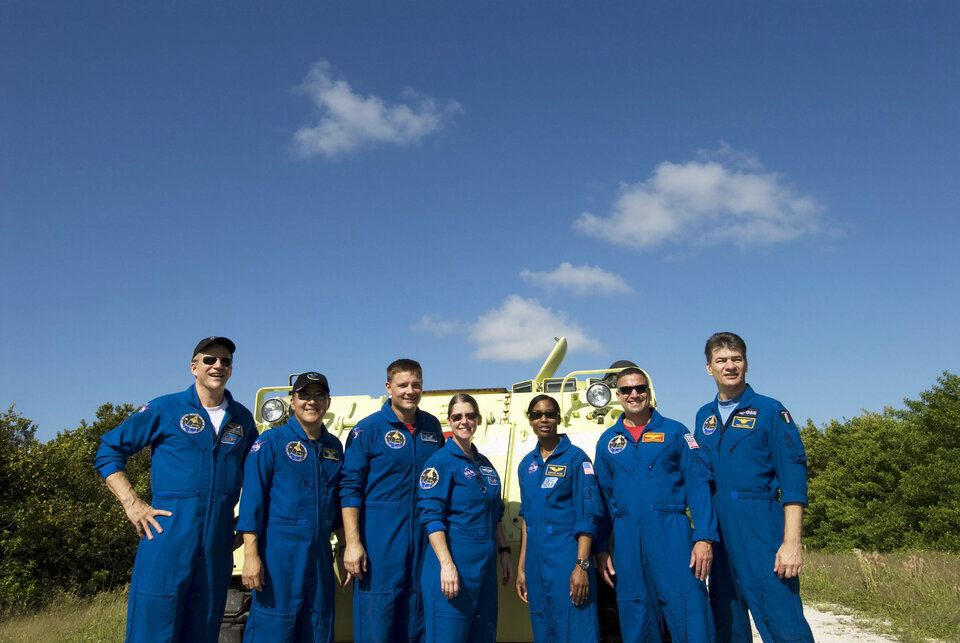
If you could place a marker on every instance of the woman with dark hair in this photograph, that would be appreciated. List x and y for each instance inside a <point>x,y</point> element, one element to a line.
<point>560,506</point>
<point>460,507</point>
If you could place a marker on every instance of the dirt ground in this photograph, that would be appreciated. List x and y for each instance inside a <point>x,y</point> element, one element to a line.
<point>835,628</point>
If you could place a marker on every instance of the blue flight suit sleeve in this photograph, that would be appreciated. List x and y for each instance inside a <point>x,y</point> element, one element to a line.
<point>696,481</point>
<point>605,485</point>
<point>433,498</point>
<point>356,468</point>
<point>257,475</point>
<point>116,446</point>
<point>586,501</point>
<point>789,458</point>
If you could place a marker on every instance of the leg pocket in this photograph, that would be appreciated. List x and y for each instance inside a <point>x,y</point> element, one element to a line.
<point>266,625</point>
<point>782,610</point>
<point>373,616</point>
<point>153,617</point>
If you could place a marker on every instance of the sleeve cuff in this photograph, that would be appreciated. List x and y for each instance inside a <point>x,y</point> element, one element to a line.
<point>109,469</point>
<point>350,501</point>
<point>799,498</point>
<point>706,534</point>
<point>434,526</point>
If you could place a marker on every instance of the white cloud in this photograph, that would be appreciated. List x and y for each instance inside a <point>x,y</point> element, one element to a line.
<point>348,120</point>
<point>438,327</point>
<point>581,280</point>
<point>521,329</point>
<point>723,197</point>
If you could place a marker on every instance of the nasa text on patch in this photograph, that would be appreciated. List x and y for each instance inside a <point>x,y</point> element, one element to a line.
<point>746,412</point>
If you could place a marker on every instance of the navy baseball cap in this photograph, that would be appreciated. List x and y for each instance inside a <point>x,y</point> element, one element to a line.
<point>208,341</point>
<point>311,377</point>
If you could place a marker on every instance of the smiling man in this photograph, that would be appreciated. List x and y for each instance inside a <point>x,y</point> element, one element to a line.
<point>290,506</point>
<point>199,440</point>
<point>760,473</point>
<point>385,454</point>
<point>649,473</point>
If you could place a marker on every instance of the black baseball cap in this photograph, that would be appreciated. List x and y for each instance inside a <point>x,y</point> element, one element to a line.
<point>311,377</point>
<point>223,341</point>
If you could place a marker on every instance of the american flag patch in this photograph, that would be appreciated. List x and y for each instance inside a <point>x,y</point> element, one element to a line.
<point>588,468</point>
<point>691,441</point>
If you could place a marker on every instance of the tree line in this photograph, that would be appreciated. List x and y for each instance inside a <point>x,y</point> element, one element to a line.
<point>879,481</point>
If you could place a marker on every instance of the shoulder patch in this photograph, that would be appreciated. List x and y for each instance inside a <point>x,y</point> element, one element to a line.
<point>355,432</point>
<point>588,468</point>
<point>652,437</point>
<point>691,441</point>
<point>296,451</point>
<point>709,425</point>
<point>616,444</point>
<point>330,454</point>
<point>145,407</point>
<point>192,423</point>
<point>785,414</point>
<point>395,439</point>
<point>429,478</point>
<point>256,445</point>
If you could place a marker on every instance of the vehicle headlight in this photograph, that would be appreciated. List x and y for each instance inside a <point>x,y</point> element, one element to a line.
<point>273,409</point>
<point>598,395</point>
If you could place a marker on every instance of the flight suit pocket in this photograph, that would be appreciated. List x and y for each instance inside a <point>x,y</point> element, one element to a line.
<point>782,612</point>
<point>271,625</point>
<point>152,617</point>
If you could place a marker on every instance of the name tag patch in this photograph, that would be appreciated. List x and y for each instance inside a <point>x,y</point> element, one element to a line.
<point>740,422</point>
<point>428,437</point>
<point>652,437</point>
<point>395,439</point>
<point>330,454</point>
<point>558,470</point>
<point>234,429</point>
<point>192,423</point>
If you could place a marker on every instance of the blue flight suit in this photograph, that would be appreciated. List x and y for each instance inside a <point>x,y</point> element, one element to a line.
<point>559,500</point>
<point>647,487</point>
<point>180,578</point>
<point>382,464</point>
<point>291,500</point>
<point>461,496</point>
<point>758,463</point>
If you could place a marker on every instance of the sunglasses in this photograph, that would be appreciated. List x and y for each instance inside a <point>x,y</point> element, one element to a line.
<point>311,396</point>
<point>550,415</point>
<point>627,390</point>
<point>210,360</point>
<point>456,417</point>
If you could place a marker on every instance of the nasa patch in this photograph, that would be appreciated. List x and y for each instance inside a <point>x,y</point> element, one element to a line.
<point>752,413</point>
<point>429,478</point>
<point>549,483</point>
<point>192,423</point>
<point>395,439</point>
<point>143,408</point>
<point>356,431</point>
<point>740,422</point>
<point>710,425</point>
<point>469,473</point>
<point>616,444</point>
<point>557,470</point>
<point>330,454</point>
<point>652,437</point>
<point>534,467</point>
<point>296,451</point>
<point>256,446</point>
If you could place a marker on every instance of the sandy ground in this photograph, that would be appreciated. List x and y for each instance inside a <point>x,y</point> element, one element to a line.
<point>835,628</point>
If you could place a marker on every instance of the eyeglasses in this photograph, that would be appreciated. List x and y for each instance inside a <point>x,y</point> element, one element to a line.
<point>626,391</point>
<point>210,360</point>
<point>456,417</point>
<point>550,415</point>
<point>311,396</point>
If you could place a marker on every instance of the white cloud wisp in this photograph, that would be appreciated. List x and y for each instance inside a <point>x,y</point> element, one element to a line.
<point>349,121</point>
<point>724,197</point>
<point>521,329</point>
<point>580,280</point>
<point>437,327</point>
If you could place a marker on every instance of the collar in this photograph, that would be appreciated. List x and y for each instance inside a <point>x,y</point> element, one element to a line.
<point>656,421</point>
<point>392,418</point>
<point>454,448</point>
<point>562,446</point>
<point>195,399</point>
<point>746,399</point>
<point>298,429</point>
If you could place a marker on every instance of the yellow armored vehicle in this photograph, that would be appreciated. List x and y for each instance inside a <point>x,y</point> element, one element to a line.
<point>588,407</point>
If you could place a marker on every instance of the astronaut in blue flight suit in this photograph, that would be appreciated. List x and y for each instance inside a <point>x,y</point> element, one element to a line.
<point>460,508</point>
<point>290,506</point>
<point>649,472</point>
<point>199,440</point>
<point>385,543</point>
<point>560,506</point>
<point>760,489</point>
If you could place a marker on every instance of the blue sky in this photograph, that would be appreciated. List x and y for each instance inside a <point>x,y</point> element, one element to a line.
<point>334,185</point>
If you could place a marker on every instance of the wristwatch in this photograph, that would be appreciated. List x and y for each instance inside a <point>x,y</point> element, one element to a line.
<point>583,563</point>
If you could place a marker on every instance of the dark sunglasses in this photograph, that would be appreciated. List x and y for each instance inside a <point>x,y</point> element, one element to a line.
<point>311,396</point>
<point>210,360</point>
<point>550,415</point>
<point>456,417</point>
<point>627,390</point>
